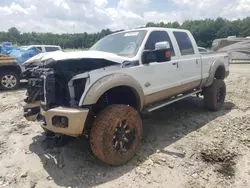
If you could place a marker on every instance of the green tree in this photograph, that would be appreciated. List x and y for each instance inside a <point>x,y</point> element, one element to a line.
<point>14,32</point>
<point>204,31</point>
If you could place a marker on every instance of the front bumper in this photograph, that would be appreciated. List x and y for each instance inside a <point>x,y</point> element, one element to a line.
<point>61,120</point>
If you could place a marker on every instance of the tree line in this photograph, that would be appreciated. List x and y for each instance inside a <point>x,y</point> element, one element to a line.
<point>204,31</point>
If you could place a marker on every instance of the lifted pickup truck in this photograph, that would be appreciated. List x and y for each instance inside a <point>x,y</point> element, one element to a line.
<point>101,92</point>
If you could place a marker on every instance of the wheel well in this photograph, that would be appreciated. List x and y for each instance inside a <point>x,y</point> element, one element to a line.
<point>118,95</point>
<point>220,73</point>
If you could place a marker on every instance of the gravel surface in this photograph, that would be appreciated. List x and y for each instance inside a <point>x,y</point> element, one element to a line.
<point>183,145</point>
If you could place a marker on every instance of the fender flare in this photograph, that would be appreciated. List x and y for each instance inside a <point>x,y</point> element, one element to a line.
<point>92,95</point>
<point>215,65</point>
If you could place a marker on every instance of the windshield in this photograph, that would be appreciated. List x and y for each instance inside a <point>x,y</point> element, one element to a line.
<point>123,44</point>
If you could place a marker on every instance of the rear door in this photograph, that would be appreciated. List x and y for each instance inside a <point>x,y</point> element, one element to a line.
<point>189,60</point>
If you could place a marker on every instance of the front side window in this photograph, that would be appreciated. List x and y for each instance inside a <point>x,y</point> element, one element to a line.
<point>184,43</point>
<point>158,36</point>
<point>124,44</point>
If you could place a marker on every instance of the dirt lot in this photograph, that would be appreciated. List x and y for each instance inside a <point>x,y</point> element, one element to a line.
<point>184,145</point>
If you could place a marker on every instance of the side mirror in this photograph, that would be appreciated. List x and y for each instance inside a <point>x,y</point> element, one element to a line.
<point>162,45</point>
<point>160,54</point>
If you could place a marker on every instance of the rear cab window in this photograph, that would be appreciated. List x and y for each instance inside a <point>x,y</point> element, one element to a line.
<point>158,36</point>
<point>184,43</point>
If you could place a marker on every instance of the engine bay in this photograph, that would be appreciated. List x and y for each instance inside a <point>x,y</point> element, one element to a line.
<point>49,82</point>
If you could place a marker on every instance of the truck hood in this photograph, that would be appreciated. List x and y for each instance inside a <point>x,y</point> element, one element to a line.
<point>57,56</point>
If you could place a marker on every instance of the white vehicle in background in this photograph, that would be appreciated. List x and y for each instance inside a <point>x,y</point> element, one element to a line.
<point>43,48</point>
<point>100,92</point>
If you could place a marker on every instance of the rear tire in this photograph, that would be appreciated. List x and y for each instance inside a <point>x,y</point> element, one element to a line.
<point>214,96</point>
<point>9,80</point>
<point>115,134</point>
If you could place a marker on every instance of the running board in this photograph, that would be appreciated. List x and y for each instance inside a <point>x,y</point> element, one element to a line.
<point>170,101</point>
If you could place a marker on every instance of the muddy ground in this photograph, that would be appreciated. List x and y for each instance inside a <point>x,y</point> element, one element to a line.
<point>183,145</point>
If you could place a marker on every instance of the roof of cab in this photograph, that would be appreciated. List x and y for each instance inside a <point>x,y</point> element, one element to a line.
<point>151,29</point>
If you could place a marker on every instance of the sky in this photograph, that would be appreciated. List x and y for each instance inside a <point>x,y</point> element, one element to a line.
<point>77,16</point>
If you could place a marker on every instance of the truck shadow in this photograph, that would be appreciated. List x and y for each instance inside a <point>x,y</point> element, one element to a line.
<point>74,165</point>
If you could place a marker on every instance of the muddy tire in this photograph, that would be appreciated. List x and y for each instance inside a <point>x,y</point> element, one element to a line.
<point>9,80</point>
<point>115,134</point>
<point>214,96</point>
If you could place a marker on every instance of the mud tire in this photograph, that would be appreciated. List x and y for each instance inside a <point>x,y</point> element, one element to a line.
<point>211,99</point>
<point>103,130</point>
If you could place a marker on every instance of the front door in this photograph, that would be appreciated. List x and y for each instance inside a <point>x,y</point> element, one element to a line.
<point>158,80</point>
<point>162,75</point>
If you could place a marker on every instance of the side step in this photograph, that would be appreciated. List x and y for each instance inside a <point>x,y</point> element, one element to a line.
<point>170,101</point>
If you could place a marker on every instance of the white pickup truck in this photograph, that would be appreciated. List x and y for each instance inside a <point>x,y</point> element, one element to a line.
<point>100,92</point>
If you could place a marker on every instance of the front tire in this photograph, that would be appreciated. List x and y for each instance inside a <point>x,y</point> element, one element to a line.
<point>9,80</point>
<point>214,96</point>
<point>115,134</point>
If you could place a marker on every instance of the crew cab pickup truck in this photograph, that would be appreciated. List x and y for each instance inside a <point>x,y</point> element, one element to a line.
<point>101,92</point>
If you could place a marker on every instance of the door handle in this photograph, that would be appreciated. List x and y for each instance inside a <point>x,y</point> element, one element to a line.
<point>176,63</point>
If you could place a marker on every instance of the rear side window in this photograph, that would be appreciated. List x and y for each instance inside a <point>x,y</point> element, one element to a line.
<point>158,36</point>
<point>51,49</point>
<point>184,43</point>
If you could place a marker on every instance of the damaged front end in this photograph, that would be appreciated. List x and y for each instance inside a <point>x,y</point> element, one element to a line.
<point>34,96</point>
<point>54,91</point>
<point>45,90</point>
